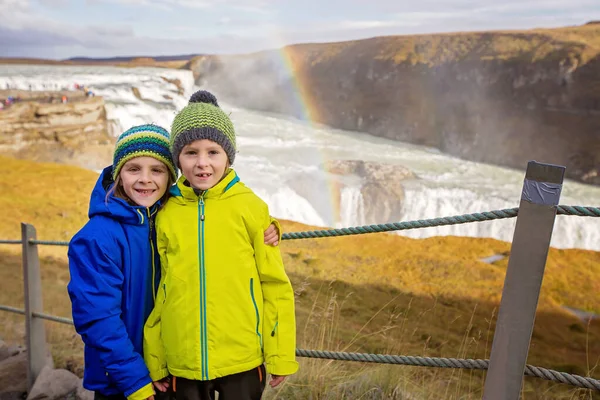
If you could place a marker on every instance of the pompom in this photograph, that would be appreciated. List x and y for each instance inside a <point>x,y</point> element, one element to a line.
<point>202,96</point>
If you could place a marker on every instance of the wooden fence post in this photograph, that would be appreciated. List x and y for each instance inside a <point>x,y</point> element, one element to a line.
<point>529,251</point>
<point>37,355</point>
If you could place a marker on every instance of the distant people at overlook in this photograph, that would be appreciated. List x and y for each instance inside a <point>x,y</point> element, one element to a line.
<point>8,101</point>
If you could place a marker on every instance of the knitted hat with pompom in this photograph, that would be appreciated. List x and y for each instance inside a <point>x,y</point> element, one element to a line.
<point>201,119</point>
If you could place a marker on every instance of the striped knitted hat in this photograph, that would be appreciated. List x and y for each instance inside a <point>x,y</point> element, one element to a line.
<point>143,141</point>
<point>201,119</point>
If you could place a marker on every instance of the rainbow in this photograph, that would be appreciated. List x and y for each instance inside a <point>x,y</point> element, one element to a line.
<point>306,107</point>
<point>301,82</point>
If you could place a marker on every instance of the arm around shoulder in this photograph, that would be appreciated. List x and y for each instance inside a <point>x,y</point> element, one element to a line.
<point>279,326</point>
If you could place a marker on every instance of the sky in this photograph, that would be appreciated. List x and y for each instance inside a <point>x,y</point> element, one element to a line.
<point>60,29</point>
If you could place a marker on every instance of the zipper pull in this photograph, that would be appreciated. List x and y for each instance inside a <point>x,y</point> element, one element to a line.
<point>201,203</point>
<point>275,327</point>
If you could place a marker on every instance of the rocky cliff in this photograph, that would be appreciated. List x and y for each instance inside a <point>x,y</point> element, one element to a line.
<point>380,187</point>
<point>40,127</point>
<point>497,97</point>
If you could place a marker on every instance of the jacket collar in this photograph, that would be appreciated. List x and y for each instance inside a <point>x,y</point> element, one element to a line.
<point>183,189</point>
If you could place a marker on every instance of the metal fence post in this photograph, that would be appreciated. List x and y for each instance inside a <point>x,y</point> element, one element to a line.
<point>529,251</point>
<point>36,334</point>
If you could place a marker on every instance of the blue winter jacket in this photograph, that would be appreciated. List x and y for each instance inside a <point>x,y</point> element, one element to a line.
<point>114,275</point>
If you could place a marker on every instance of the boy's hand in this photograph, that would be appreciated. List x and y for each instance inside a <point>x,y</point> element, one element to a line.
<point>276,380</point>
<point>162,385</point>
<point>272,235</point>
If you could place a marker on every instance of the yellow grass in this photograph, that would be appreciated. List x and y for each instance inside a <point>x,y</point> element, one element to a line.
<point>576,44</point>
<point>136,62</point>
<point>377,293</point>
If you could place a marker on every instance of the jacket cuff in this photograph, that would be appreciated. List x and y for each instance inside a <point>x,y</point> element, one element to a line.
<point>282,367</point>
<point>159,374</point>
<point>142,393</point>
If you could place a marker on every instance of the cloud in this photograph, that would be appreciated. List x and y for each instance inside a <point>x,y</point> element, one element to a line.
<point>12,12</point>
<point>54,3</point>
<point>173,5</point>
<point>261,7</point>
<point>251,25</point>
<point>364,24</point>
<point>15,38</point>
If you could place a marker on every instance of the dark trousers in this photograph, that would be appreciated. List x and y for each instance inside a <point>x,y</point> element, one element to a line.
<point>248,385</point>
<point>158,396</point>
<point>100,396</point>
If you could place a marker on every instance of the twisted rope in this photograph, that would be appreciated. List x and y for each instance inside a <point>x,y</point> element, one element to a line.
<point>438,362</point>
<point>427,223</point>
<point>12,309</point>
<point>580,211</point>
<point>49,242</point>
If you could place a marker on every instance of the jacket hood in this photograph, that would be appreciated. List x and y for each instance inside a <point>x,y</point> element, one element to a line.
<point>115,207</point>
<point>182,191</point>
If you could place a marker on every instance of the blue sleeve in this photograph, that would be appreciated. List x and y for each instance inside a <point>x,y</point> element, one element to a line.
<point>95,290</point>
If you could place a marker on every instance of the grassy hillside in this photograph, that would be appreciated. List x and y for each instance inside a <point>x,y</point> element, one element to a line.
<point>582,42</point>
<point>131,62</point>
<point>372,293</point>
<point>579,42</point>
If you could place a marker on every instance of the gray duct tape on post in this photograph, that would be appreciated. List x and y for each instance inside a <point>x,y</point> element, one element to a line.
<point>541,192</point>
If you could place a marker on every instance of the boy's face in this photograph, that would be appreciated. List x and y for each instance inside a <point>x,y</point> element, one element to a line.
<point>203,163</point>
<point>144,180</point>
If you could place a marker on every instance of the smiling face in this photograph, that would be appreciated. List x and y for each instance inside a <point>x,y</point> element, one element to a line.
<point>203,163</point>
<point>144,180</point>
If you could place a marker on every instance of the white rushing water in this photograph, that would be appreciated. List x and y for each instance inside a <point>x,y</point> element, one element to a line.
<point>282,160</point>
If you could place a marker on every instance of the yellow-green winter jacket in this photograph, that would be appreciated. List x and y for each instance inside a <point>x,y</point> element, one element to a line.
<point>225,304</point>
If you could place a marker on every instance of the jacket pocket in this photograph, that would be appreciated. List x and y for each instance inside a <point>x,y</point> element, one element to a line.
<point>258,334</point>
<point>173,320</point>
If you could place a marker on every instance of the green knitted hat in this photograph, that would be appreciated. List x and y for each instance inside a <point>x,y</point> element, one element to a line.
<point>201,119</point>
<point>143,140</point>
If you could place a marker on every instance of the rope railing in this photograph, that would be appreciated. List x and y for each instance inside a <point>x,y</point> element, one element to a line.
<point>436,362</point>
<point>415,361</point>
<point>8,241</point>
<point>579,211</point>
<point>440,362</point>
<point>50,242</point>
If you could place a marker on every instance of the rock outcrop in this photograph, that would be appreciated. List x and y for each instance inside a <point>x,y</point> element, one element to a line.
<point>40,127</point>
<point>379,185</point>
<point>51,384</point>
<point>497,97</point>
<point>13,372</point>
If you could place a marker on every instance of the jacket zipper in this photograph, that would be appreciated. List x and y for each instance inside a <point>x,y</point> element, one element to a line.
<point>257,313</point>
<point>151,225</point>
<point>203,334</point>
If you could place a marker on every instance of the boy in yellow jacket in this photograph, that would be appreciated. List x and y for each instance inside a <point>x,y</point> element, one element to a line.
<point>225,306</point>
